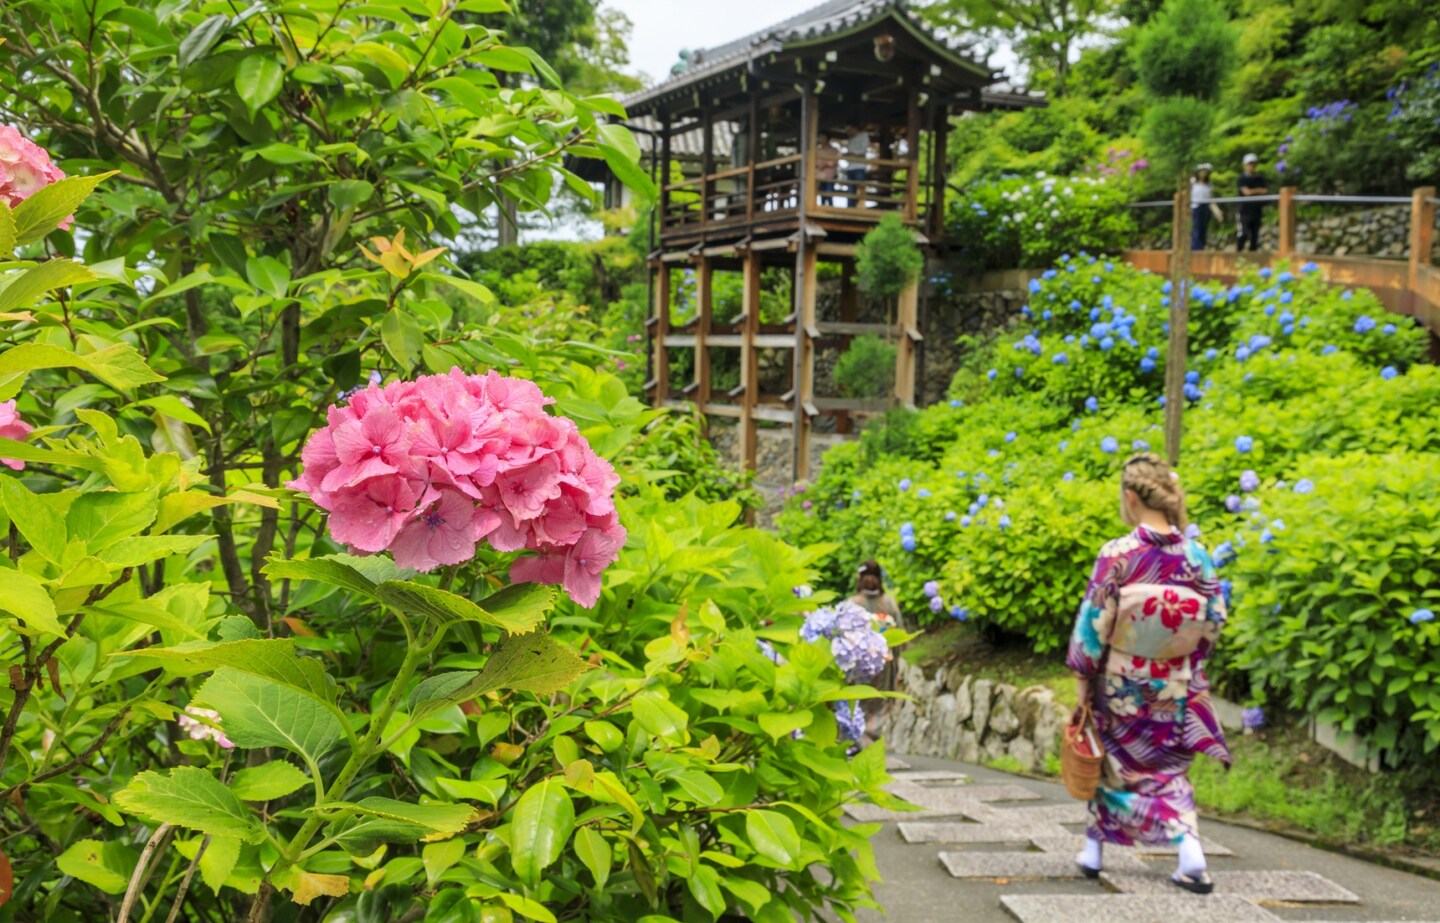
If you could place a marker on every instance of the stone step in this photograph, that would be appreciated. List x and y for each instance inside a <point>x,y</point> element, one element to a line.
<point>958,833</point>
<point>932,777</point>
<point>1133,908</point>
<point>947,801</point>
<point>892,763</point>
<point>1284,887</point>
<point>1012,865</point>
<point>1073,843</point>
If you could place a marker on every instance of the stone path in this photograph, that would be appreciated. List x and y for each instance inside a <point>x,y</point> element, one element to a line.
<point>987,846</point>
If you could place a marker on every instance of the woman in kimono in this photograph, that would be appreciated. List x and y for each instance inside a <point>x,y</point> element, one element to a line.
<point>1150,618</point>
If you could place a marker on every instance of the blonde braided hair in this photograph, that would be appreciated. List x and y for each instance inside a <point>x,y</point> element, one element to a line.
<point>1156,485</point>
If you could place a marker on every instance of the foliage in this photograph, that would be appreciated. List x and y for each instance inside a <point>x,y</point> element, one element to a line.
<point>1414,121</point>
<point>1030,222</point>
<point>1005,493</point>
<point>675,453</point>
<point>1058,138</point>
<point>1043,35</point>
<point>1188,49</point>
<point>887,259</point>
<point>867,368</point>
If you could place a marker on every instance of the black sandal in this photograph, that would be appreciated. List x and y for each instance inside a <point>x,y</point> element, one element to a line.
<point>1201,885</point>
<point>1087,871</point>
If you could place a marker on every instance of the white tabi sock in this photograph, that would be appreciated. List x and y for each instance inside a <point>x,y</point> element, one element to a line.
<point>1192,857</point>
<point>1092,856</point>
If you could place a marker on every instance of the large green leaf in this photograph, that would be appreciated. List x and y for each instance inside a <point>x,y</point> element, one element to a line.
<point>26,598</point>
<point>595,852</point>
<point>533,662</point>
<point>268,274</point>
<point>274,779</point>
<point>622,156</point>
<point>45,209</point>
<point>332,570</point>
<point>102,518</point>
<point>542,822</point>
<point>143,549</point>
<point>37,520</point>
<point>773,836</point>
<point>273,659</point>
<point>258,80</point>
<point>518,613</point>
<point>374,821</point>
<point>105,865</point>
<point>192,798</point>
<point>659,716</point>
<point>258,713</point>
<point>521,606</point>
<point>119,366</point>
<point>27,288</point>
<point>403,337</point>
<point>704,886</point>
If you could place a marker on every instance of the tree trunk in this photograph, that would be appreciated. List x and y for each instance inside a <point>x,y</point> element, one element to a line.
<point>1179,324</point>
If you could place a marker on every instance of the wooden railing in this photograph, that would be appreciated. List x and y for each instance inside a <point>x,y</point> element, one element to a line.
<point>772,189</point>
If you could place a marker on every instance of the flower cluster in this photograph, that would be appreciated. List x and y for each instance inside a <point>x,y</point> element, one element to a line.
<point>858,648</point>
<point>12,427</point>
<point>1252,718</point>
<point>203,724</point>
<point>427,469</point>
<point>849,720</point>
<point>25,168</point>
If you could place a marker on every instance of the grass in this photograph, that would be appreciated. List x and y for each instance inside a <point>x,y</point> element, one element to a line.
<point>1280,779</point>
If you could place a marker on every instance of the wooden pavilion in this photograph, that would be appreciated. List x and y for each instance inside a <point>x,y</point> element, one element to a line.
<point>779,151</point>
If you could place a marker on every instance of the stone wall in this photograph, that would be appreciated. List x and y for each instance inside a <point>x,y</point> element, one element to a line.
<point>949,316</point>
<point>1327,230</point>
<point>955,715</point>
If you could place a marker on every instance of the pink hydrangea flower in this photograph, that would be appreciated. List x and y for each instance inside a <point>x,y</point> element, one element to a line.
<point>12,427</point>
<point>203,724</point>
<point>25,168</point>
<point>428,469</point>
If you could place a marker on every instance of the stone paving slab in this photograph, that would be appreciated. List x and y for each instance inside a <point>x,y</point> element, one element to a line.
<point>1133,908</point>
<point>1072,844</point>
<point>924,776</point>
<point>957,833</point>
<point>1023,865</point>
<point>1286,887</point>
<point>893,763</point>
<point>949,801</point>
<point>1033,816</point>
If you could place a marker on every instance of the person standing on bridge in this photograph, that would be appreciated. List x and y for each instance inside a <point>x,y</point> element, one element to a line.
<point>1251,184</point>
<point>1150,618</point>
<point>1201,208</point>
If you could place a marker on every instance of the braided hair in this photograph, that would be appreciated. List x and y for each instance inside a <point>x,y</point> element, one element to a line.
<point>1156,485</point>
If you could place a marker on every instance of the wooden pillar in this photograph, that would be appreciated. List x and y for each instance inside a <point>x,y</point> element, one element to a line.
<point>912,150</point>
<point>750,358</point>
<point>1422,232</point>
<point>704,274</point>
<point>662,331</point>
<point>1286,246</point>
<point>907,314</point>
<point>849,292</point>
<point>707,167</point>
<point>664,204</point>
<point>939,140</point>
<point>807,272</point>
<point>752,156</point>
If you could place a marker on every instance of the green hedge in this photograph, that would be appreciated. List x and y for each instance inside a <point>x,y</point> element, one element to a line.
<point>1293,380</point>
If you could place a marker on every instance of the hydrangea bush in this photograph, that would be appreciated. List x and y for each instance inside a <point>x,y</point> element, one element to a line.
<point>1002,495</point>
<point>1030,220</point>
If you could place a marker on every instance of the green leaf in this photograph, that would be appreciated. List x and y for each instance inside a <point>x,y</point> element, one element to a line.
<point>699,786</point>
<point>42,526</point>
<point>704,886</point>
<point>444,606</point>
<point>7,230</point>
<point>529,663</point>
<point>258,80</point>
<point>374,821</point>
<point>520,607</point>
<point>257,713</point>
<point>350,193</point>
<point>44,210</point>
<point>435,692</point>
<point>26,288</point>
<point>273,659</point>
<point>439,857</point>
<point>26,598</point>
<point>622,156</point>
<point>268,275</point>
<point>527,907</point>
<point>403,337</point>
<point>102,518</point>
<point>660,717</point>
<point>230,251</point>
<point>332,570</point>
<point>268,781</point>
<point>595,852</point>
<point>105,865</point>
<point>143,549</point>
<point>605,735</point>
<point>773,836</point>
<point>171,406</point>
<point>219,861</point>
<point>543,820</point>
<point>197,44</point>
<point>475,290</point>
<point>285,155</point>
<point>778,724</point>
<point>119,366</point>
<point>191,798</point>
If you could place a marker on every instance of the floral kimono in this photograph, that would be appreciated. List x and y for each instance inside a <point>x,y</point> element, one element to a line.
<point>1155,600</point>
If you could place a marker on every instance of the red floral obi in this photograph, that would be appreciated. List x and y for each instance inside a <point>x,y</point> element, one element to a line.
<point>1157,628</point>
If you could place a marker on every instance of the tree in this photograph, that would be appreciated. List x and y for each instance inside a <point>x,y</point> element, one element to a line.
<point>1183,58</point>
<point>1044,34</point>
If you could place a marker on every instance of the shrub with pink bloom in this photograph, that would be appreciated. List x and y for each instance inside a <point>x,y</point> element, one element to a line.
<point>427,469</point>
<point>25,168</point>
<point>203,724</point>
<point>12,427</point>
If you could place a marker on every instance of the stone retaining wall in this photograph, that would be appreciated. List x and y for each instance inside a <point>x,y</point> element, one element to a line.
<point>955,715</point>
<point>1327,230</point>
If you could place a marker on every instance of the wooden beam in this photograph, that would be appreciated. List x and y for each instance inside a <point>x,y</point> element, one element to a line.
<point>661,282</point>
<point>907,311</point>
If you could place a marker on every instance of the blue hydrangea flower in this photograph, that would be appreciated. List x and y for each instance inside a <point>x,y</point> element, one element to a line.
<point>849,720</point>
<point>1067,477</point>
<point>1193,392</point>
<point>1250,504</point>
<point>991,374</point>
<point>965,522</point>
<point>1147,365</point>
<point>957,403</point>
<point>1420,616</point>
<point>1244,444</point>
<point>768,651</point>
<point>923,493</point>
<point>1004,522</point>
<point>1252,718</point>
<point>1064,444</point>
<point>1249,481</point>
<point>1210,354</point>
<point>1075,305</point>
<point>950,515</point>
<point>1094,313</point>
<point>1388,329</point>
<point>1258,342</point>
<point>1266,537</point>
<point>1034,286</point>
<point>931,589</point>
<point>1329,349</point>
<point>1232,503</point>
<point>1168,287</point>
<point>907,528</point>
<point>937,604</point>
<point>1192,378</point>
<point>1242,353</point>
<point>959,613</point>
<point>907,542</point>
<point>993,453</point>
<point>904,484</point>
<point>1047,315</point>
<point>1010,437</point>
<point>1224,553</point>
<point>1389,372</point>
<point>1164,301</point>
<point>1285,277</point>
<point>1109,446</point>
<point>1364,323</point>
<point>1019,372</point>
<point>982,501</point>
<point>1192,532</point>
<point>1107,343</point>
<point>1092,404</point>
<point>803,591</point>
<point>974,508</point>
<point>1288,329</point>
<point>1160,400</point>
<point>1061,359</point>
<point>1269,310</point>
<point>1140,445</point>
<point>1304,486</point>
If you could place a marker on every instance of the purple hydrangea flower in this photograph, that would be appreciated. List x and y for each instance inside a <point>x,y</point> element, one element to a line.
<point>1232,503</point>
<point>904,484</point>
<point>1010,437</point>
<point>1252,718</point>
<point>923,493</point>
<point>1304,486</point>
<point>859,649</point>
<point>1192,532</point>
<point>931,589</point>
<point>1067,477</point>
<point>803,591</point>
<point>768,650</point>
<point>937,604</point>
<point>965,522</point>
<point>1249,481</point>
<point>1140,445</point>
<point>949,515</point>
<point>1224,553</point>
<point>907,528</point>
<point>849,720</point>
<point>1004,522</point>
<point>959,613</point>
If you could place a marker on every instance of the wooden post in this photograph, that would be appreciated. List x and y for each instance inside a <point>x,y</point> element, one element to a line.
<point>912,151</point>
<point>662,330</point>
<point>1286,247</point>
<point>664,179</point>
<point>752,155</point>
<point>907,313</point>
<point>1422,232</point>
<point>703,276</point>
<point>807,268</point>
<point>750,359</point>
<point>938,141</point>
<point>707,167</point>
<point>1179,318</point>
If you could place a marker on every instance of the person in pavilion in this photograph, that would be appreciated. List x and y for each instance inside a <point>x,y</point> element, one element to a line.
<point>1151,614</point>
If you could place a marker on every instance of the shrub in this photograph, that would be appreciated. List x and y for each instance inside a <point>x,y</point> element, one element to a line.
<point>1030,222</point>
<point>867,368</point>
<point>887,260</point>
